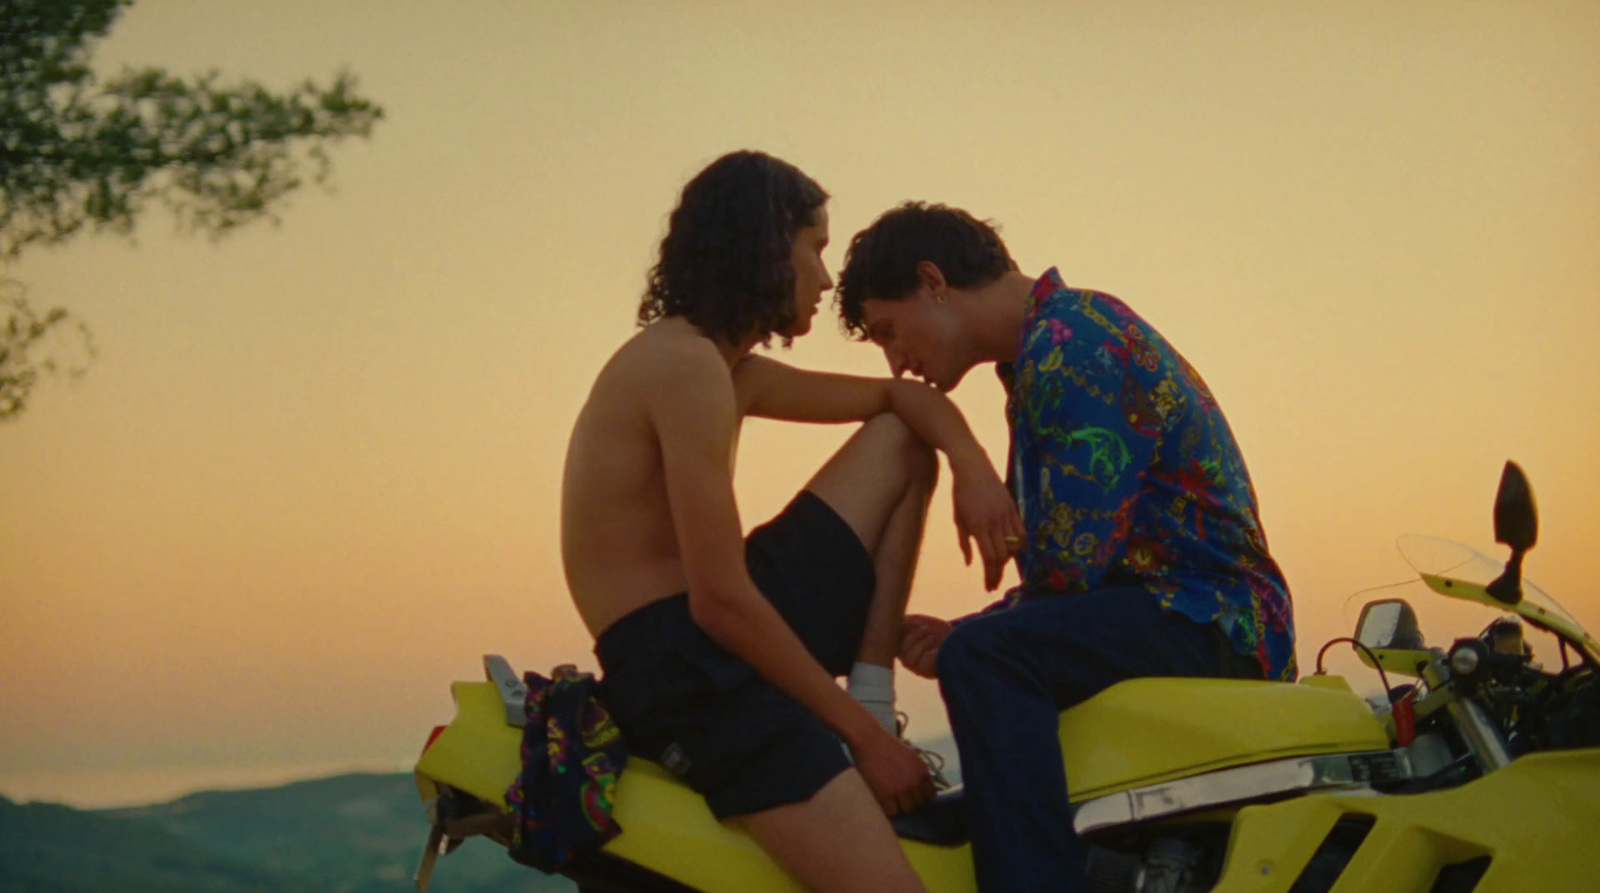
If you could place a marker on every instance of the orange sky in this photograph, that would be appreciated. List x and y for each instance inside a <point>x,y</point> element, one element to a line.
<point>313,474</point>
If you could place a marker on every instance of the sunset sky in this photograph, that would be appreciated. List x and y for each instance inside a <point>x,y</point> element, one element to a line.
<point>314,472</point>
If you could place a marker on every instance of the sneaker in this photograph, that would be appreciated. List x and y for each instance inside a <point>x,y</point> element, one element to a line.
<point>934,759</point>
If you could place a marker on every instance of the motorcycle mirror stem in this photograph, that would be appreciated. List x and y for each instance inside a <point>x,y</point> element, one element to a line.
<point>1516,524</point>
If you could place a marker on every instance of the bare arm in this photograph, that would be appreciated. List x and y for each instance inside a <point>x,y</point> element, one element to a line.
<point>767,388</point>
<point>693,411</point>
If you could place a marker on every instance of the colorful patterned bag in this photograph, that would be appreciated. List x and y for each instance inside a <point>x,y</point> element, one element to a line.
<point>572,756</point>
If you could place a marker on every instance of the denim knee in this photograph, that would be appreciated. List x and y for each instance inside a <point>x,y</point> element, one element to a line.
<point>969,647</point>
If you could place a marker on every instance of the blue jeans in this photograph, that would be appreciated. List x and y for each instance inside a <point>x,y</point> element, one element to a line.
<point>1006,676</point>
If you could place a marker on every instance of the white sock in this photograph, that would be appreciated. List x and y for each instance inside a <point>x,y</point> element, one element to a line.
<point>873,687</point>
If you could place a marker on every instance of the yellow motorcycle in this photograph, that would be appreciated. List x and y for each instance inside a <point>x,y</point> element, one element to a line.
<point>1478,773</point>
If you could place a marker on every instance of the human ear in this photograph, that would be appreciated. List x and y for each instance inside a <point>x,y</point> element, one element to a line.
<point>930,277</point>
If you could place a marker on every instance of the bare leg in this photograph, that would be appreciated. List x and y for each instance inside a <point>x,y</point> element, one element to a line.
<point>880,483</point>
<point>836,841</point>
<point>895,560</point>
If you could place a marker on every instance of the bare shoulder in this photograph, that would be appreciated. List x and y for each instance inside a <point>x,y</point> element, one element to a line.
<point>677,348</point>
<point>676,367</point>
<point>752,376</point>
<point>754,370</point>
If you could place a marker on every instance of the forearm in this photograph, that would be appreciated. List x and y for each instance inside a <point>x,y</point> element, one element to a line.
<point>935,419</point>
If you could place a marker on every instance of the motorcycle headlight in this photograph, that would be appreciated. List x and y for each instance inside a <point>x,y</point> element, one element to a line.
<point>1466,656</point>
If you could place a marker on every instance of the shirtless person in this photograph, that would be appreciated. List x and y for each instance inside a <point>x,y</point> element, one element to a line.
<point>720,654</point>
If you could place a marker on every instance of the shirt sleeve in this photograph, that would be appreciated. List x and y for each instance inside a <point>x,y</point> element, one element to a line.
<point>1083,459</point>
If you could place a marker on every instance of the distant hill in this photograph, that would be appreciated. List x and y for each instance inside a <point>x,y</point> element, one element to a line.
<point>45,848</point>
<point>356,833</point>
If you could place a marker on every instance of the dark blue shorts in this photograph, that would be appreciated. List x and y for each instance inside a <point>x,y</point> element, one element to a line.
<point>707,716</point>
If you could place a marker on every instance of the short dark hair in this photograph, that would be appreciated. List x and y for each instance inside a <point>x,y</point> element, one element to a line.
<point>882,259</point>
<point>724,263</point>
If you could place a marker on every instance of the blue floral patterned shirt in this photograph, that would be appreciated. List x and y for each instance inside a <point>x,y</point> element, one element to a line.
<point>1128,475</point>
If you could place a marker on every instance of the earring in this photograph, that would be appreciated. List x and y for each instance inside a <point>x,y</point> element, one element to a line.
<point>938,297</point>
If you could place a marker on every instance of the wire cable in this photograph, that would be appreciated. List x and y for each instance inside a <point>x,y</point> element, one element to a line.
<point>1388,693</point>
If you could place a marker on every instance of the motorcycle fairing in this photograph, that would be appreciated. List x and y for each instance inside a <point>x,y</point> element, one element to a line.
<point>1529,609</point>
<point>479,752</point>
<point>1274,779</point>
<point>1534,821</point>
<point>1146,731</point>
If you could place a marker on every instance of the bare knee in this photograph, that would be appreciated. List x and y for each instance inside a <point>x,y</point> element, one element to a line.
<point>908,451</point>
<point>882,467</point>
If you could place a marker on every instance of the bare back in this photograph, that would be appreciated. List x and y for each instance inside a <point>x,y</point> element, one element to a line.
<point>618,546</point>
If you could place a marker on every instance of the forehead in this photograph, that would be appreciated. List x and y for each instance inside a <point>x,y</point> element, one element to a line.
<point>819,223</point>
<point>876,312</point>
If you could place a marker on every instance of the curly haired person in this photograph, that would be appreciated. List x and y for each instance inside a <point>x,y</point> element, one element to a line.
<point>720,652</point>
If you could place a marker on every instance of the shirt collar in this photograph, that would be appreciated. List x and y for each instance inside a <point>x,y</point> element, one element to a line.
<point>1043,287</point>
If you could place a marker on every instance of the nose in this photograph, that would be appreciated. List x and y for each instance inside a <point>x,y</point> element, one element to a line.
<point>897,362</point>
<point>827,281</point>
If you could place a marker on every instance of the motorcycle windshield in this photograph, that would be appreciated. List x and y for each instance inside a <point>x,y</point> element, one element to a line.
<point>1460,571</point>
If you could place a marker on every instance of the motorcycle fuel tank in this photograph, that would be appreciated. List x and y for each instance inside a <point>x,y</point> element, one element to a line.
<point>1145,731</point>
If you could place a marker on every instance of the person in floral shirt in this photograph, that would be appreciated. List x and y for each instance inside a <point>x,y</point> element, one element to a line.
<point>1142,552</point>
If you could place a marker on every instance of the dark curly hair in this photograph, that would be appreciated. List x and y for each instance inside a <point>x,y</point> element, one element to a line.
<point>882,259</point>
<point>725,260</point>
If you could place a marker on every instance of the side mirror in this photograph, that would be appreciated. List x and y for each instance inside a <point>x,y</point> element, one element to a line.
<point>1516,518</point>
<point>1389,624</point>
<point>1394,641</point>
<point>1516,524</point>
